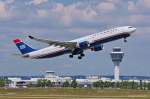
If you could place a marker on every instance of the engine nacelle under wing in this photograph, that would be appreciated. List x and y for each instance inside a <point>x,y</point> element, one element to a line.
<point>97,47</point>
<point>83,45</point>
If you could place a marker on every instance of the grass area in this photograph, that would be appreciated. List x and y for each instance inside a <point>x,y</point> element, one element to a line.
<point>70,93</point>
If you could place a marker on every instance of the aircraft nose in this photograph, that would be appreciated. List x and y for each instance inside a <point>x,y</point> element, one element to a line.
<point>134,29</point>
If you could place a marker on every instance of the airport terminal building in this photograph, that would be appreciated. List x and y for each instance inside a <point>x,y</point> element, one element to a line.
<point>83,81</point>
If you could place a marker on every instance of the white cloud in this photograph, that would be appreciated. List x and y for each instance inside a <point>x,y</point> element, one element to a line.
<point>58,7</point>
<point>37,2</point>
<point>42,13</point>
<point>9,1</point>
<point>3,11</point>
<point>73,12</point>
<point>64,13</point>
<point>132,6</point>
<point>69,13</point>
<point>105,6</point>
<point>140,6</point>
<point>146,3</point>
<point>79,14</point>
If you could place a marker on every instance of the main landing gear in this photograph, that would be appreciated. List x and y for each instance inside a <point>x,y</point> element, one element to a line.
<point>71,56</point>
<point>79,57</point>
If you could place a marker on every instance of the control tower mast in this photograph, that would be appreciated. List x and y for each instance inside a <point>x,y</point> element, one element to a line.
<point>116,56</point>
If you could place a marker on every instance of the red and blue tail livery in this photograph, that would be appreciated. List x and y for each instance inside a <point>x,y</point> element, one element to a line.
<point>24,48</point>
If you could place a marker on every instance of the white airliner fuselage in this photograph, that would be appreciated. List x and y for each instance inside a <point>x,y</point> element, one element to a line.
<point>94,42</point>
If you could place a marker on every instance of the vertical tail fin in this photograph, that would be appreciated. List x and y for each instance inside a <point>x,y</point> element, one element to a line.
<point>24,48</point>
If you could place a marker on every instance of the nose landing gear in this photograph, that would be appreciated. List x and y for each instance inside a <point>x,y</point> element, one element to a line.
<point>125,40</point>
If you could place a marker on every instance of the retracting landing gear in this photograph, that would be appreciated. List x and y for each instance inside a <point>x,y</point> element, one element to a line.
<point>81,55</point>
<point>125,40</point>
<point>71,56</point>
<point>78,52</point>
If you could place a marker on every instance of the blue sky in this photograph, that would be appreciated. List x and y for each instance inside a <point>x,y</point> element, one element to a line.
<point>70,19</point>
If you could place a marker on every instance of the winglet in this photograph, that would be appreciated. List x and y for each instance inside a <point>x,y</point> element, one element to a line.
<point>31,37</point>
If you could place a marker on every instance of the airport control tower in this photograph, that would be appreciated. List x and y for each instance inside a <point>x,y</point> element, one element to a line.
<point>116,56</point>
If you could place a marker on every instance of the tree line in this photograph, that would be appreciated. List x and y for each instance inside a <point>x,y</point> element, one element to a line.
<point>101,84</point>
<point>122,85</point>
<point>98,84</point>
<point>48,83</point>
<point>4,81</point>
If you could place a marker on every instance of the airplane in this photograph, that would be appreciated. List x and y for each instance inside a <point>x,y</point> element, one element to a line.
<point>94,42</point>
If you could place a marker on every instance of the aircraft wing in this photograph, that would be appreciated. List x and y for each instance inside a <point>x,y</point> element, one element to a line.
<point>69,45</point>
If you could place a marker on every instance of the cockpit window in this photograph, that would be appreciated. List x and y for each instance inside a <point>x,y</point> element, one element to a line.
<point>130,27</point>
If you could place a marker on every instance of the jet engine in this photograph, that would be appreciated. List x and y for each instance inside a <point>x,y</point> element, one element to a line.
<point>97,47</point>
<point>83,45</point>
